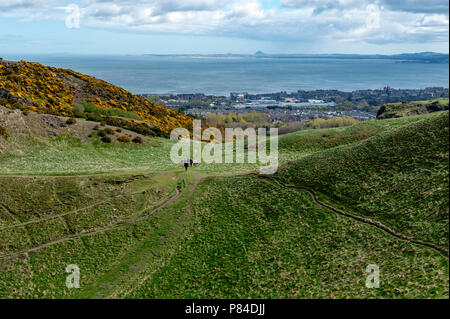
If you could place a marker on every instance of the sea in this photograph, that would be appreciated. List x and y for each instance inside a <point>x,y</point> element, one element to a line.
<point>147,74</point>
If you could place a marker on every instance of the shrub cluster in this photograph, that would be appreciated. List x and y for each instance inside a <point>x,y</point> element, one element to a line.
<point>109,131</point>
<point>138,140</point>
<point>71,121</point>
<point>3,132</point>
<point>106,139</point>
<point>124,139</point>
<point>101,133</point>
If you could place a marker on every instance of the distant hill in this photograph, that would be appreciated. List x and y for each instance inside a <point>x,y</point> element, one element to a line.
<point>420,57</point>
<point>44,89</point>
<point>391,110</point>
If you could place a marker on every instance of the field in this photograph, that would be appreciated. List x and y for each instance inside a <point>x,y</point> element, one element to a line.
<point>138,226</point>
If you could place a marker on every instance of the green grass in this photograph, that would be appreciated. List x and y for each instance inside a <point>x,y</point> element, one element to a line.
<point>413,108</point>
<point>237,234</point>
<point>399,177</point>
<point>255,240</point>
<point>57,207</point>
<point>68,155</point>
<point>89,107</point>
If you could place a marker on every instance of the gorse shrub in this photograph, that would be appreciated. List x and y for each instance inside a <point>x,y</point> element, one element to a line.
<point>71,121</point>
<point>332,122</point>
<point>106,139</point>
<point>109,131</point>
<point>124,139</point>
<point>137,140</point>
<point>101,133</point>
<point>3,132</point>
<point>93,117</point>
<point>51,90</point>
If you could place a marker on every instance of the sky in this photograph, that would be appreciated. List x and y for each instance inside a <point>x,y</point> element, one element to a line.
<point>223,26</point>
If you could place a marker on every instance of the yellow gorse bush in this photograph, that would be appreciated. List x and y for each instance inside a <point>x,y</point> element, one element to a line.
<point>54,90</point>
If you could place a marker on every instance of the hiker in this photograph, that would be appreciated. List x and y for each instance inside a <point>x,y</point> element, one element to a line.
<point>196,163</point>
<point>191,161</point>
<point>186,164</point>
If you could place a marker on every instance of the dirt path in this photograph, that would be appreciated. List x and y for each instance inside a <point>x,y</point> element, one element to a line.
<point>361,219</point>
<point>43,219</point>
<point>97,231</point>
<point>101,230</point>
<point>124,284</point>
<point>74,211</point>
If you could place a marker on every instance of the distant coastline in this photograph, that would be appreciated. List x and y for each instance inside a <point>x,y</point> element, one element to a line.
<point>421,57</point>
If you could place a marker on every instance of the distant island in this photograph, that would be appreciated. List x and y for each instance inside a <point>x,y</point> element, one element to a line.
<point>421,57</point>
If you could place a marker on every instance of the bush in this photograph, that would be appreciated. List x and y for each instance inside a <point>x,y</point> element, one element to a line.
<point>109,131</point>
<point>95,128</point>
<point>119,130</point>
<point>78,110</point>
<point>124,139</point>
<point>93,117</point>
<point>106,139</point>
<point>25,112</point>
<point>103,123</point>
<point>89,107</point>
<point>140,128</point>
<point>101,133</point>
<point>71,121</point>
<point>138,140</point>
<point>331,122</point>
<point>3,132</point>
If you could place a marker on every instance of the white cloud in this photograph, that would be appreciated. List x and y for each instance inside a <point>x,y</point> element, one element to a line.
<point>21,6</point>
<point>381,21</point>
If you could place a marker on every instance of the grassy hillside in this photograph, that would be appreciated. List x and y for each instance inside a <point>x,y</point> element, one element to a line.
<point>138,226</point>
<point>33,86</point>
<point>253,239</point>
<point>68,154</point>
<point>89,221</point>
<point>232,237</point>
<point>391,110</point>
<point>398,177</point>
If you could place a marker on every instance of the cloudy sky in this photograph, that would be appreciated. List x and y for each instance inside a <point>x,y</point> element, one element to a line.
<point>222,26</point>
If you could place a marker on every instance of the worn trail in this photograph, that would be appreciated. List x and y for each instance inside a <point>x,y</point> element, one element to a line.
<point>363,220</point>
<point>97,231</point>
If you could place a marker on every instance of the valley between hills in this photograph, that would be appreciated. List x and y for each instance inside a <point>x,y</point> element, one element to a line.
<point>86,179</point>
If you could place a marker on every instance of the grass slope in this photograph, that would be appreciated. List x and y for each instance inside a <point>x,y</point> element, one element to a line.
<point>399,178</point>
<point>137,232</point>
<point>391,110</point>
<point>34,155</point>
<point>251,239</point>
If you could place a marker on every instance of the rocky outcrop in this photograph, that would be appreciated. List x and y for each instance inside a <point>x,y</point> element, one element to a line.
<point>393,110</point>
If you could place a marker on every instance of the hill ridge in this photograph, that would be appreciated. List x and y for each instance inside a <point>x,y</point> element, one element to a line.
<point>44,89</point>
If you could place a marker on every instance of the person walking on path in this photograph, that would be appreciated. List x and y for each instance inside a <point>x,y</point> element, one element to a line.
<point>186,164</point>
